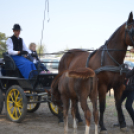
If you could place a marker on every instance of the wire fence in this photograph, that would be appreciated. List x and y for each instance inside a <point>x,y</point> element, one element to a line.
<point>79,50</point>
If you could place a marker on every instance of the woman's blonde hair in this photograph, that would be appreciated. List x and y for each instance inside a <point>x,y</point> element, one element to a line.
<point>31,44</point>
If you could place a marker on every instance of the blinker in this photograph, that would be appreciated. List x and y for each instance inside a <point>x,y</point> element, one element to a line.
<point>132,31</point>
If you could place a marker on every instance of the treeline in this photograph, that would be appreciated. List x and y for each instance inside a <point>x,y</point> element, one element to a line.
<point>3,39</point>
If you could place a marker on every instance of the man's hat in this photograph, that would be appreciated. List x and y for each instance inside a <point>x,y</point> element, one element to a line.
<point>16,27</point>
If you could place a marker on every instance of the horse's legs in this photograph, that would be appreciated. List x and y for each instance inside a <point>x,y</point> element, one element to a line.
<point>118,102</point>
<point>73,111</point>
<point>95,112</point>
<point>87,114</point>
<point>65,101</point>
<point>60,115</point>
<point>78,114</point>
<point>102,101</point>
<point>95,117</point>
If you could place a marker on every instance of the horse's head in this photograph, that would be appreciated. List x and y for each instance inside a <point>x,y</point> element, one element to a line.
<point>129,31</point>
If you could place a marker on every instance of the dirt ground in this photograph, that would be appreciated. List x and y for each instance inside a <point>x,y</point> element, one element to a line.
<point>43,122</point>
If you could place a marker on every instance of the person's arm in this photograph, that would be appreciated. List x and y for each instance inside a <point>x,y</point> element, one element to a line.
<point>37,56</point>
<point>10,50</point>
<point>132,50</point>
<point>34,54</point>
<point>25,48</point>
<point>130,73</point>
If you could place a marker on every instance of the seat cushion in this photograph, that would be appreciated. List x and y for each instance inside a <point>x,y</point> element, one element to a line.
<point>9,62</point>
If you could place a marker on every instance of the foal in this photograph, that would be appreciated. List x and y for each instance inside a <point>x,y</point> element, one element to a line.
<point>76,86</point>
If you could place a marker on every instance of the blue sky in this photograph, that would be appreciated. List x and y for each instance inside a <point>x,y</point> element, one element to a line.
<point>73,23</point>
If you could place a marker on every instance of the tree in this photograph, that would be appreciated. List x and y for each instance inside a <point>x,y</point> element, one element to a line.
<point>3,39</point>
<point>41,49</point>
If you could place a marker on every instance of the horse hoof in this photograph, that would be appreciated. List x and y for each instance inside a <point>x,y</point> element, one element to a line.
<point>132,127</point>
<point>61,124</point>
<point>124,129</point>
<point>103,132</point>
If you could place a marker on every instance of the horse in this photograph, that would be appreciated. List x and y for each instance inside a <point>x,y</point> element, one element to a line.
<point>119,41</point>
<point>76,85</point>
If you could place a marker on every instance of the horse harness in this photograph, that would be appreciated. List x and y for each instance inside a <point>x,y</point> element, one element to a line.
<point>122,68</point>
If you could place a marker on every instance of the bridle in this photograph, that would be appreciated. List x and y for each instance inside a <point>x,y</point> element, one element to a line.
<point>130,32</point>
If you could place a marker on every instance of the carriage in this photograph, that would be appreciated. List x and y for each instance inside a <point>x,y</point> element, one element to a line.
<point>23,95</point>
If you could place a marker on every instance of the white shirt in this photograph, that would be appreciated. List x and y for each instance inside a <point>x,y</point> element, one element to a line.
<point>10,50</point>
<point>35,60</point>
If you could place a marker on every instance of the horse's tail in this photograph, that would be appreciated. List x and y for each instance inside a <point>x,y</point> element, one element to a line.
<point>54,88</point>
<point>83,73</point>
<point>55,81</point>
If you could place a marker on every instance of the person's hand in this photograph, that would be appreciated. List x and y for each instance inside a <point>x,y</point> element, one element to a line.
<point>18,52</point>
<point>23,53</point>
<point>132,50</point>
<point>34,54</point>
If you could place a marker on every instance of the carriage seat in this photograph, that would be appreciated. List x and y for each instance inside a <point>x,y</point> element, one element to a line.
<point>9,62</point>
<point>1,61</point>
<point>10,66</point>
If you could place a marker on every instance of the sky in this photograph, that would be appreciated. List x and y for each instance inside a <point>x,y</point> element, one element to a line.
<point>73,23</point>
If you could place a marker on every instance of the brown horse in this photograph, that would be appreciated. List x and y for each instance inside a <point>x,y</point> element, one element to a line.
<point>76,86</point>
<point>120,40</point>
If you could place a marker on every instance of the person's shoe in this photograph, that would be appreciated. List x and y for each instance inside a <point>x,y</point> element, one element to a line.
<point>48,72</point>
<point>133,128</point>
<point>42,72</point>
<point>116,125</point>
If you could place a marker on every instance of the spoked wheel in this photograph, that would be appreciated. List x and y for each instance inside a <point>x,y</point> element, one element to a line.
<point>53,108</point>
<point>1,101</point>
<point>16,103</point>
<point>32,107</point>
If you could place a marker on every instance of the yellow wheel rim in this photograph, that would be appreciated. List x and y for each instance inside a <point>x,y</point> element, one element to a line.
<point>54,108</point>
<point>14,104</point>
<point>32,105</point>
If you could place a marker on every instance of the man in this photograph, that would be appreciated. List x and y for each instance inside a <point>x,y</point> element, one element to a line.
<point>128,95</point>
<point>16,48</point>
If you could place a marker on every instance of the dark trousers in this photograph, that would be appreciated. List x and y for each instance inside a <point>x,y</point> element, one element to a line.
<point>41,66</point>
<point>129,95</point>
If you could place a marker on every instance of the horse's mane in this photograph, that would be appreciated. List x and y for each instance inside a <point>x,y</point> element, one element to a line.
<point>117,31</point>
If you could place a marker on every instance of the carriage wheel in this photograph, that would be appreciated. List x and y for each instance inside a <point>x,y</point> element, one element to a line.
<point>16,103</point>
<point>1,101</point>
<point>53,108</point>
<point>32,107</point>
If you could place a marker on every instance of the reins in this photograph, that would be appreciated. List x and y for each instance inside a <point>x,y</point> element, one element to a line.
<point>120,67</point>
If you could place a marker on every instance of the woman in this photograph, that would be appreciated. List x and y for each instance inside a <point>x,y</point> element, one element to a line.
<point>35,59</point>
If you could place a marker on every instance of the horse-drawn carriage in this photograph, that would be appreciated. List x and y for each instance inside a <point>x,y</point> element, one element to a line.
<point>23,95</point>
